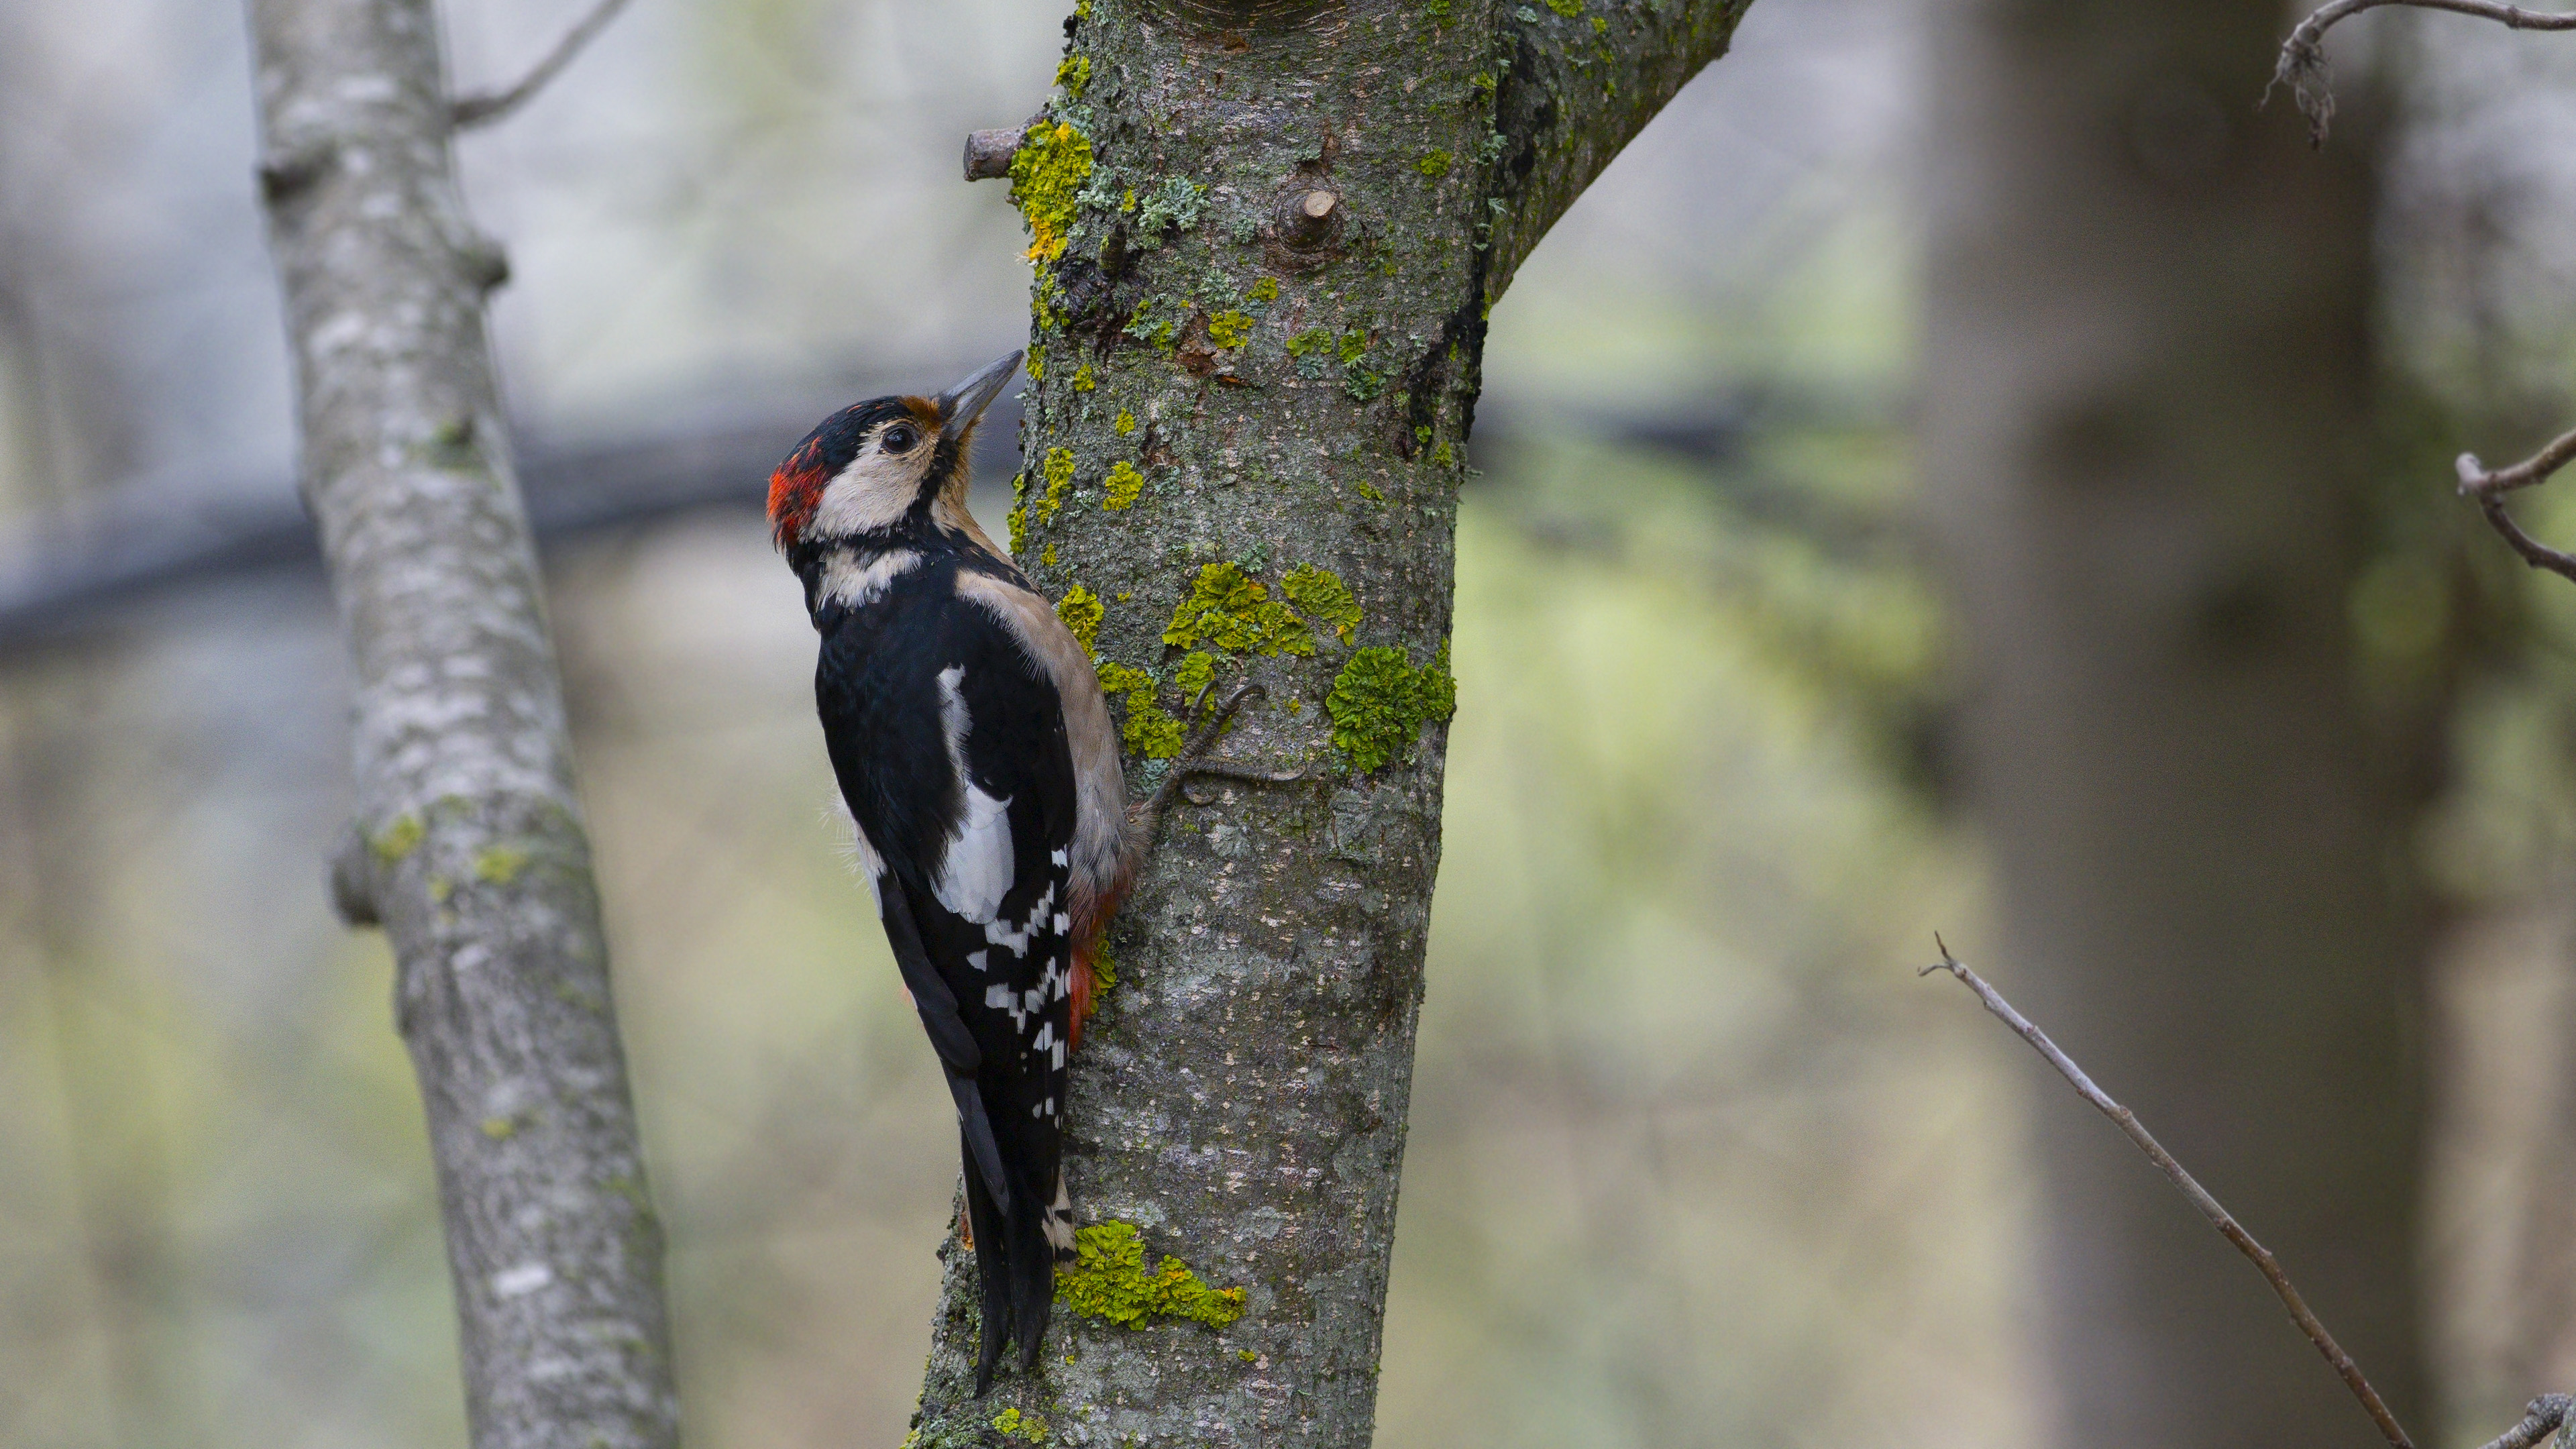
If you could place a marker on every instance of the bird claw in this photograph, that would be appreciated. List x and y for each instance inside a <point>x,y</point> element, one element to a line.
<point>1193,759</point>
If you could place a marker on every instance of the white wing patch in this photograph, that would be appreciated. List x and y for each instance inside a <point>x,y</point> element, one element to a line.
<point>975,871</point>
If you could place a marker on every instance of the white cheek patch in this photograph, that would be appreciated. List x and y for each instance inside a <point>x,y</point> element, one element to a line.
<point>874,492</point>
<point>975,871</point>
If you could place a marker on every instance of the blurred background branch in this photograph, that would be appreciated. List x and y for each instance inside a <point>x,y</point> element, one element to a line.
<point>468,846</point>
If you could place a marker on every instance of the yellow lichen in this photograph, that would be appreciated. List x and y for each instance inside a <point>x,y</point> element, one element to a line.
<point>1124,424</point>
<point>499,864</point>
<point>1081,611</point>
<point>1266,290</point>
<point>1229,329</point>
<point>1047,174</point>
<point>1227,609</point>
<point>398,839</point>
<point>1108,1281</point>
<point>1322,593</point>
<point>1074,74</point>
<point>1380,702</point>
<point>1122,486</point>
<point>1059,478</point>
<point>1011,1424</point>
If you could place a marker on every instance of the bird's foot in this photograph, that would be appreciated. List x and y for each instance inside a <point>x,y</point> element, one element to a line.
<point>1193,760</point>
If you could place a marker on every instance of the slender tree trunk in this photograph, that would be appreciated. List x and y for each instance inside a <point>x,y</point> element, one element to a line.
<point>2149,370</point>
<point>470,849</point>
<point>1268,235</point>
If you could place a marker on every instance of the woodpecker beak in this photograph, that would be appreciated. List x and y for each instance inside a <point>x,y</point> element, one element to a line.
<point>961,405</point>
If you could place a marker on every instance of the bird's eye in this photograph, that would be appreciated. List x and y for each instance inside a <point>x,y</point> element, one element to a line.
<point>899,439</point>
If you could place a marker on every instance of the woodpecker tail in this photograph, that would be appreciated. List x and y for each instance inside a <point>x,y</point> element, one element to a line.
<point>1016,1248</point>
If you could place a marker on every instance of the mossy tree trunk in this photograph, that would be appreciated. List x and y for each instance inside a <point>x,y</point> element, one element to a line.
<point>469,847</point>
<point>1267,238</point>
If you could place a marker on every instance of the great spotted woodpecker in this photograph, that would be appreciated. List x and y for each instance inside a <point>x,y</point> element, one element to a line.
<point>977,758</point>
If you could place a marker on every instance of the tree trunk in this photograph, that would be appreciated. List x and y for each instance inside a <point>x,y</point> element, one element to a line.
<point>470,846</point>
<point>2149,370</point>
<point>1268,235</point>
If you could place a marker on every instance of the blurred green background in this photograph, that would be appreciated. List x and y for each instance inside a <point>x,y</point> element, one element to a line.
<point>1695,1159</point>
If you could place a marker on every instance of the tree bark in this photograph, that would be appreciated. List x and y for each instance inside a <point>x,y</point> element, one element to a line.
<point>469,844</point>
<point>2149,373</point>
<point>1268,235</point>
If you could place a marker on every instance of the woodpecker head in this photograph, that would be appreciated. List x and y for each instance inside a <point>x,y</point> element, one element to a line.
<point>872,463</point>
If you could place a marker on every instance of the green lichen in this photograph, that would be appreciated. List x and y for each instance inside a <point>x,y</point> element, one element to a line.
<point>1156,321</point>
<point>1433,163</point>
<point>1363,385</point>
<point>499,864</point>
<point>398,839</point>
<point>1010,1424</point>
<point>1322,594</point>
<point>1352,346</point>
<point>1380,702</point>
<point>1124,424</point>
<point>1227,609</point>
<point>1314,341</point>
<point>1107,1280</point>
<point>1081,610</point>
<point>1047,174</point>
<point>1074,74</point>
<point>1122,486</point>
<point>1175,204</point>
<point>1229,329</point>
<point>1444,455</point>
<point>1369,491</point>
<point>1196,673</point>
<point>1266,290</point>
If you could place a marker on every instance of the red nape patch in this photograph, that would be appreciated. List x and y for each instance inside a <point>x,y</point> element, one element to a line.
<point>795,491</point>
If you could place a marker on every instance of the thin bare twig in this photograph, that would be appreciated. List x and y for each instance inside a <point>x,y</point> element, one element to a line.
<point>2476,481</point>
<point>489,106</point>
<point>2200,1198</point>
<point>2303,59</point>
<point>2535,553</point>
